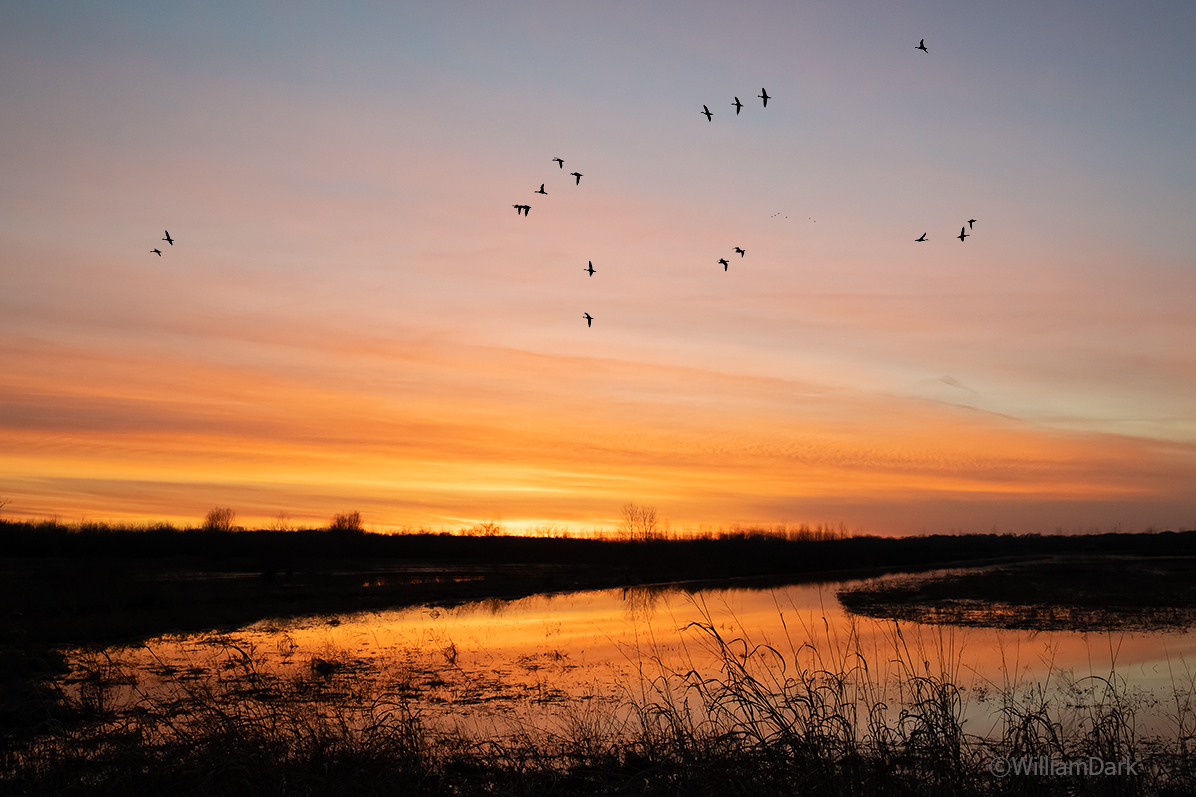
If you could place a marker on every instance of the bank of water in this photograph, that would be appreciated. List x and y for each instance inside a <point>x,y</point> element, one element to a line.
<point>495,667</point>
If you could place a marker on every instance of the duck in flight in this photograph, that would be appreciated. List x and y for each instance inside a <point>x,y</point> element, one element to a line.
<point>709,115</point>
<point>168,239</point>
<point>738,105</point>
<point>764,96</point>
<point>577,175</point>
<point>723,260</point>
<point>541,191</point>
<point>923,238</point>
<point>157,252</point>
<point>922,46</point>
<point>589,319</point>
<point>963,234</point>
<point>560,162</point>
<point>970,223</point>
<point>590,269</point>
<point>741,251</point>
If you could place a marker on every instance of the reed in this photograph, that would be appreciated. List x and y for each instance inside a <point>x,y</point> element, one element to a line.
<point>815,714</point>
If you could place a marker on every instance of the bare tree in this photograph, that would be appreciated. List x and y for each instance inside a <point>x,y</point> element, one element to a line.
<point>638,522</point>
<point>281,522</point>
<point>219,519</point>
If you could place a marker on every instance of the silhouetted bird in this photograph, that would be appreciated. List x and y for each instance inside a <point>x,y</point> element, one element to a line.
<point>578,176</point>
<point>589,319</point>
<point>764,96</point>
<point>560,162</point>
<point>923,238</point>
<point>709,116</point>
<point>723,260</point>
<point>541,191</point>
<point>168,239</point>
<point>970,223</point>
<point>590,269</point>
<point>741,251</point>
<point>527,209</point>
<point>157,252</point>
<point>518,209</point>
<point>738,105</point>
<point>922,46</point>
<point>963,234</point>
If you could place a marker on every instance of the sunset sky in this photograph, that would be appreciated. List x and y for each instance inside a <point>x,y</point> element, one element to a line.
<point>354,317</point>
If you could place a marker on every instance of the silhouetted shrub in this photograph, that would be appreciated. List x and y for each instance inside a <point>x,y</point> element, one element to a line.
<point>489,528</point>
<point>346,521</point>
<point>219,519</point>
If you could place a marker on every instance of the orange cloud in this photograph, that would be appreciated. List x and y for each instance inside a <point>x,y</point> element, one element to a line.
<point>439,433</point>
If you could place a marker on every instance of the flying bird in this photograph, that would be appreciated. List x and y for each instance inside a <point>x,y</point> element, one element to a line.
<point>922,46</point>
<point>541,191</point>
<point>723,260</point>
<point>589,319</point>
<point>764,96</point>
<point>738,105</point>
<point>923,238</point>
<point>560,162</point>
<point>577,175</point>
<point>741,251</point>
<point>168,239</point>
<point>527,209</point>
<point>963,234</point>
<point>157,252</point>
<point>590,269</point>
<point>518,209</point>
<point>970,223</point>
<point>709,115</point>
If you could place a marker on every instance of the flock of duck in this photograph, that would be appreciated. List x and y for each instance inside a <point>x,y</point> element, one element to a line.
<point>722,261</point>
<point>167,239</point>
<point>524,209</point>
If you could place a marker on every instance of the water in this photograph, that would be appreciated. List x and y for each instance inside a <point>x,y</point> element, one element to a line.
<point>490,666</point>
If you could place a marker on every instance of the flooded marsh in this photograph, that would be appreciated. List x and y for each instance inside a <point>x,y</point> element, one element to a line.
<point>606,691</point>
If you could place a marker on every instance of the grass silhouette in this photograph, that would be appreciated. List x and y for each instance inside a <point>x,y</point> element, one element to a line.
<point>820,716</point>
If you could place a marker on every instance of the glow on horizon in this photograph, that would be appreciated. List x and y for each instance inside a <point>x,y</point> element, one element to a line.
<point>352,316</point>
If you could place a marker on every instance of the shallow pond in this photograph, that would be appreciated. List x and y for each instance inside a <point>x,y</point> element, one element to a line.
<point>490,666</point>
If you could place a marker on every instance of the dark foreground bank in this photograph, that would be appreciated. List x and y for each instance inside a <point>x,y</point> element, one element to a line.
<point>763,728</point>
<point>766,726</point>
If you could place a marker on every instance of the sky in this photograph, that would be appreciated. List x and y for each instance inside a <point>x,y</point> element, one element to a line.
<point>353,317</point>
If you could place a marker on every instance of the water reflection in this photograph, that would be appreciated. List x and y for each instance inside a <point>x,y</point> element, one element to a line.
<point>494,665</point>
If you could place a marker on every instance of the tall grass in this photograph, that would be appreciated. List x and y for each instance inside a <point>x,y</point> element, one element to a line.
<point>814,714</point>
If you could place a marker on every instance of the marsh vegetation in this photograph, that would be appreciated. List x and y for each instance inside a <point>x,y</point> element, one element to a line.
<point>811,715</point>
<point>94,704</point>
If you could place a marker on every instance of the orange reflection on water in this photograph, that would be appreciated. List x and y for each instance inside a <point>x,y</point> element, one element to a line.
<point>495,664</point>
